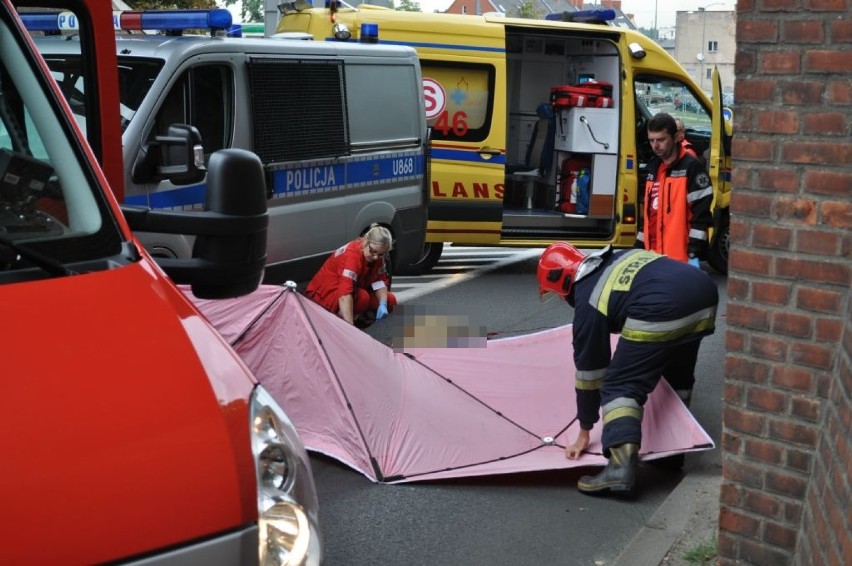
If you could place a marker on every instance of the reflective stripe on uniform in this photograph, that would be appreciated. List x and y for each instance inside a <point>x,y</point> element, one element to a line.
<point>666,330</point>
<point>698,195</point>
<point>619,277</point>
<point>698,234</point>
<point>589,380</point>
<point>622,407</point>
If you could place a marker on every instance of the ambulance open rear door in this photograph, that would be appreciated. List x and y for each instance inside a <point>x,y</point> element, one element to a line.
<point>719,165</point>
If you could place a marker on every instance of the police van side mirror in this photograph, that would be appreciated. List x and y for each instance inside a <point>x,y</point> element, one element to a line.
<point>229,255</point>
<point>178,156</point>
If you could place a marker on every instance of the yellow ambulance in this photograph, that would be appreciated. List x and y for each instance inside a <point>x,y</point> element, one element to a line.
<point>538,126</point>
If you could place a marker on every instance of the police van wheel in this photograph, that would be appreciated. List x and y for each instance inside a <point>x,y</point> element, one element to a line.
<point>717,255</point>
<point>428,260</point>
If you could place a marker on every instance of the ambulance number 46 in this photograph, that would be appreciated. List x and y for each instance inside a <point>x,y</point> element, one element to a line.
<point>435,98</point>
<point>458,124</point>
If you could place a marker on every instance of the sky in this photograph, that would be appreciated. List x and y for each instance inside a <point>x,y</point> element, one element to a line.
<point>646,11</point>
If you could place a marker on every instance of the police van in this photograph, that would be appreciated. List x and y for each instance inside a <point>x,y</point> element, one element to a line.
<point>538,126</point>
<point>339,127</point>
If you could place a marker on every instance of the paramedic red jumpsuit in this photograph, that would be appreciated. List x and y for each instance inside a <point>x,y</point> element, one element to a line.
<point>347,272</point>
<point>662,308</point>
<point>676,216</point>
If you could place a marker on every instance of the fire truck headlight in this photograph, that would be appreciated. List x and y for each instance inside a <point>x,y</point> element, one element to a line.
<point>287,502</point>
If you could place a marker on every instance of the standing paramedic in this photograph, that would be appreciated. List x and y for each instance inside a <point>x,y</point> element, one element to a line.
<point>353,282</point>
<point>678,196</point>
<point>680,137</point>
<point>662,308</point>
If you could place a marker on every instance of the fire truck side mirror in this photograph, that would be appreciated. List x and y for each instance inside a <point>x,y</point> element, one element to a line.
<point>236,188</point>
<point>229,253</point>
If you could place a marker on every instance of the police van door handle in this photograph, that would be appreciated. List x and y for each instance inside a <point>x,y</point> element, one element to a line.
<point>488,153</point>
<point>591,133</point>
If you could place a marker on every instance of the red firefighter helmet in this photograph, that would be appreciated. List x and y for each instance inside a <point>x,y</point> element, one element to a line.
<point>557,267</point>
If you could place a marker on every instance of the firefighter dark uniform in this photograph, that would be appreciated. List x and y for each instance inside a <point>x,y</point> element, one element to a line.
<point>662,309</point>
<point>347,272</point>
<point>676,208</point>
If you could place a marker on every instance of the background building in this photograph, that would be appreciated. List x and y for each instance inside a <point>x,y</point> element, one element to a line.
<point>704,39</point>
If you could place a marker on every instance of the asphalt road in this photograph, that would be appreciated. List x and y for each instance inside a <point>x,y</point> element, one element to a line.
<point>534,518</point>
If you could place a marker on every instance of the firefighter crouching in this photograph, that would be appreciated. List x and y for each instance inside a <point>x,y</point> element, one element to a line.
<point>661,307</point>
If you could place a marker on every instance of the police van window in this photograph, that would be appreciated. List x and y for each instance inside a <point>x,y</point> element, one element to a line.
<point>202,97</point>
<point>299,109</point>
<point>459,100</point>
<point>135,77</point>
<point>381,99</point>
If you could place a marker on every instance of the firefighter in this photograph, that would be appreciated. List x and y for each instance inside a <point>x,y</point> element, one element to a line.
<point>676,213</point>
<point>354,282</point>
<point>661,307</point>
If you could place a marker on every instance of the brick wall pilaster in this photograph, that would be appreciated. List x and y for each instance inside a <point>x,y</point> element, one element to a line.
<point>787,412</point>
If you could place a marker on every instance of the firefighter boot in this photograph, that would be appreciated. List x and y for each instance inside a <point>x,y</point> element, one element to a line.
<point>619,474</point>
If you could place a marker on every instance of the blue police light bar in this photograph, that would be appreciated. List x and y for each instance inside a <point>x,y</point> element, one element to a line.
<point>583,16</point>
<point>49,21</point>
<point>135,20</point>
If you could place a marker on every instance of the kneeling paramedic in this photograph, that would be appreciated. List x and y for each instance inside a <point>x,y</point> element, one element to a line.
<point>661,307</point>
<point>353,282</point>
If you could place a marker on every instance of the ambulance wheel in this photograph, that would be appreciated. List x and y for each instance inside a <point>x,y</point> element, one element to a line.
<point>717,255</point>
<point>428,260</point>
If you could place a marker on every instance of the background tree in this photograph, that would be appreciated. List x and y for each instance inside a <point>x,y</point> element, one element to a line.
<point>528,10</point>
<point>653,33</point>
<point>409,6</point>
<point>250,10</point>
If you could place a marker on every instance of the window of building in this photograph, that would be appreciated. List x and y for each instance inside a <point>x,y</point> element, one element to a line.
<point>712,46</point>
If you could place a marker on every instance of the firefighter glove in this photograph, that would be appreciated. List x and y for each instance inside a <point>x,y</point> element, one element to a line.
<point>382,311</point>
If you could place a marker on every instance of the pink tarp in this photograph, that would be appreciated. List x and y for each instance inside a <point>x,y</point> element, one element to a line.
<point>426,413</point>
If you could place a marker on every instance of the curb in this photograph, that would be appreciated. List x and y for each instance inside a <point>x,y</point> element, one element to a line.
<point>677,520</point>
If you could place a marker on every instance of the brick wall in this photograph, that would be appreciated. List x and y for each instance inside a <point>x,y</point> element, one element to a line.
<point>787,411</point>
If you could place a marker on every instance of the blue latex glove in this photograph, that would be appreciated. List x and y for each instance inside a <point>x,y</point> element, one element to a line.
<point>695,262</point>
<point>382,311</point>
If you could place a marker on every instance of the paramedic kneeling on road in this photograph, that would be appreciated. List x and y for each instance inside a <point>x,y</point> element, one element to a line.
<point>661,307</point>
<point>353,281</point>
<point>676,211</point>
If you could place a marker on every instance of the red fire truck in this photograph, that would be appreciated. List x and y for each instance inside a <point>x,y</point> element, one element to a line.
<point>131,431</point>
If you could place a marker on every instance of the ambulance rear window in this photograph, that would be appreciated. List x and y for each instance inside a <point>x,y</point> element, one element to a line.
<point>460,103</point>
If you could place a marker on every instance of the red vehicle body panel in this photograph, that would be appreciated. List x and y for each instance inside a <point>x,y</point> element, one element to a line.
<point>156,439</point>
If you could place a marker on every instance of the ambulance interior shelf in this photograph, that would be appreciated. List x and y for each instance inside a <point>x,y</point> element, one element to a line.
<point>586,148</point>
